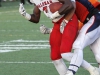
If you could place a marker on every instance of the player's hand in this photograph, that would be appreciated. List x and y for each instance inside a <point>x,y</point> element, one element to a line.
<point>22,10</point>
<point>45,30</point>
<point>62,25</point>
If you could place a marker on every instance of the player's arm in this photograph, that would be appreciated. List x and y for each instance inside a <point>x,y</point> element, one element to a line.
<point>34,17</point>
<point>69,15</point>
<point>65,9</point>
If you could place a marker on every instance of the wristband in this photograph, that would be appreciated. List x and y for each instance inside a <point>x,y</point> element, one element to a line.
<point>27,16</point>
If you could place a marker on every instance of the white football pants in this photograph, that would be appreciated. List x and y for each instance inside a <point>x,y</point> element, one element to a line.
<point>88,35</point>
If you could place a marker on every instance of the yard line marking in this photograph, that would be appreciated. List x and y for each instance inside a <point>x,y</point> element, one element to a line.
<point>18,45</point>
<point>27,62</point>
<point>21,48</point>
<point>2,51</point>
<point>24,45</point>
<point>26,41</point>
<point>21,40</point>
<point>24,62</point>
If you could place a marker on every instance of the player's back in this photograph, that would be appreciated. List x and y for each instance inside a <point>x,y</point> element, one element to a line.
<point>83,8</point>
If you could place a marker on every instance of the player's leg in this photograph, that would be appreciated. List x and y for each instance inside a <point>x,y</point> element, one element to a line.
<point>95,47</point>
<point>96,51</point>
<point>60,66</point>
<point>87,35</point>
<point>68,37</point>
<point>67,56</point>
<point>91,69</point>
<point>55,41</point>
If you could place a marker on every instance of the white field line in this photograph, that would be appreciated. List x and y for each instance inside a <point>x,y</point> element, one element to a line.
<point>24,45</point>
<point>9,47</point>
<point>17,45</point>
<point>25,41</point>
<point>24,62</point>
<point>2,51</point>
<point>27,62</point>
<point>21,40</point>
<point>22,48</point>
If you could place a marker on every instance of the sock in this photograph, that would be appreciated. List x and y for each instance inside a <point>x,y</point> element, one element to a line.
<point>60,66</point>
<point>76,60</point>
<point>85,64</point>
<point>68,57</point>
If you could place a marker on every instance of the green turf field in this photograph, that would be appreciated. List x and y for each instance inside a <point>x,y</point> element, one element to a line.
<point>23,49</point>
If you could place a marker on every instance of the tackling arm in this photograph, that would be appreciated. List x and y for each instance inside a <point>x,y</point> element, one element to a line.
<point>67,7</point>
<point>69,15</point>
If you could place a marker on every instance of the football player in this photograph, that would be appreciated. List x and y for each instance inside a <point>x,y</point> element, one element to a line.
<point>58,42</point>
<point>58,47</point>
<point>88,35</point>
<point>94,47</point>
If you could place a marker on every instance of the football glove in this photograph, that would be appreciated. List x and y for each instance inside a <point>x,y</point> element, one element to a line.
<point>45,30</point>
<point>22,11</point>
<point>62,25</point>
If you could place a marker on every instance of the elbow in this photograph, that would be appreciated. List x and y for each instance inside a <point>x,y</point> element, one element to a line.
<point>34,20</point>
<point>37,21</point>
